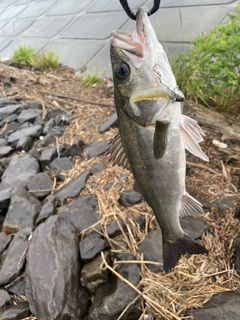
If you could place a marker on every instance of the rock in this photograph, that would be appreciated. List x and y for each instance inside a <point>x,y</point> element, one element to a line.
<point>141,221</point>
<point>17,287</point>
<point>224,204</point>
<point>14,259</point>
<point>23,210</point>
<point>73,188</point>
<point>3,142</point>
<point>112,297</point>
<point>92,274</point>
<point>193,226</point>
<point>10,129</point>
<point>46,141</point>
<point>112,121</point>
<point>48,125</point>
<point>48,209</point>
<point>223,305</point>
<point>75,149</point>
<point>53,266</point>
<point>90,246</point>
<point>237,251</point>
<point>4,298</point>
<point>34,105</point>
<point>97,148</point>
<point>56,131</point>
<point>9,119</point>
<point>10,109</point>
<point>40,185</point>
<point>82,213</point>
<point>5,102</point>
<point>4,241</point>
<point>83,301</point>
<point>151,248</point>
<point>24,143</point>
<point>15,311</point>
<point>52,113</point>
<point>98,168</point>
<point>120,181</point>
<point>5,194</point>
<point>33,131</point>
<point>34,153</point>
<point>113,228</point>
<point>47,156</point>
<point>129,197</point>
<point>10,229</point>
<point>28,115</point>
<point>61,164</point>
<point>4,151</point>
<point>21,168</point>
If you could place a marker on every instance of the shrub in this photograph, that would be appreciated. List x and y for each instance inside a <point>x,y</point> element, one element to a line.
<point>91,80</point>
<point>46,61</point>
<point>211,71</point>
<point>22,56</point>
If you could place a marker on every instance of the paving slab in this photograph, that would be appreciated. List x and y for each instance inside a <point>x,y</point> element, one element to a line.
<point>4,42</point>
<point>12,12</point>
<point>36,9</point>
<point>6,3</point>
<point>15,27</point>
<point>47,27</point>
<point>106,5</point>
<point>95,26</point>
<point>69,7</point>
<point>3,23</point>
<point>19,2</point>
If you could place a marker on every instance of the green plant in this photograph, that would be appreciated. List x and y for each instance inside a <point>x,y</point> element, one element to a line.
<point>23,56</point>
<point>211,71</point>
<point>46,60</point>
<point>91,80</point>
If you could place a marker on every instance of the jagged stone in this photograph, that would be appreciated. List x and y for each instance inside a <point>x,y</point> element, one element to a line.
<point>4,298</point>
<point>4,241</point>
<point>73,188</point>
<point>112,297</point>
<point>129,197</point>
<point>97,148</point>
<point>10,109</point>
<point>75,149</point>
<point>14,259</point>
<point>237,251</point>
<point>28,115</point>
<point>15,311</point>
<point>82,213</point>
<point>113,228</point>
<point>98,168</point>
<point>41,185</point>
<point>90,246</point>
<point>20,170</point>
<point>23,210</point>
<point>34,105</point>
<point>48,125</point>
<point>47,210</point>
<point>24,143</point>
<point>93,275</point>
<point>17,287</point>
<point>47,156</point>
<point>56,131</point>
<point>33,131</point>
<point>5,194</point>
<point>61,164</point>
<point>4,151</point>
<point>151,248</point>
<point>111,122</point>
<point>53,266</point>
<point>52,113</point>
<point>9,119</point>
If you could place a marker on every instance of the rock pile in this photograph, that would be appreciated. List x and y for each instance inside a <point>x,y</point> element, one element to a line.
<point>42,258</point>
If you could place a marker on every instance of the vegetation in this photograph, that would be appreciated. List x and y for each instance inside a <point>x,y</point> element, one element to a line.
<point>91,80</point>
<point>28,56</point>
<point>211,71</point>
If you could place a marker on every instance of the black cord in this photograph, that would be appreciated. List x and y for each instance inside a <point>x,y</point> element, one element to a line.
<point>124,3</point>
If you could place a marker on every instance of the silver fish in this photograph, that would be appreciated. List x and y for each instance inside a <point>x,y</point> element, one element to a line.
<point>153,133</point>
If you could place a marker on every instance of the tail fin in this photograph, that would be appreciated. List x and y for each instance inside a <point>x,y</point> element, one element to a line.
<point>173,250</point>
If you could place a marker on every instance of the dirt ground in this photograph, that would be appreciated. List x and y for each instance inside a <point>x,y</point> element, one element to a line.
<point>195,279</point>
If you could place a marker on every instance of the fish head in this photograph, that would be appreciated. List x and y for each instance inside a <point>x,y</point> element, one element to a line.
<point>143,80</point>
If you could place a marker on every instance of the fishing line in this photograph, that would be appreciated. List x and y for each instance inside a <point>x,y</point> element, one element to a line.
<point>125,5</point>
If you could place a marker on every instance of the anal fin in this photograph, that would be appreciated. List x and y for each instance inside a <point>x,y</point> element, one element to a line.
<point>160,139</point>
<point>190,206</point>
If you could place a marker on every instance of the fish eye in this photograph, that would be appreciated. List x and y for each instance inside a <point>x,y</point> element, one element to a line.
<point>121,71</point>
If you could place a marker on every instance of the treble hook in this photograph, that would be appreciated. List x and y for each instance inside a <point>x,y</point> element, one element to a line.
<point>124,3</point>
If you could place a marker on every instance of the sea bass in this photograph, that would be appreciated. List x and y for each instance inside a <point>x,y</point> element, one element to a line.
<point>153,133</point>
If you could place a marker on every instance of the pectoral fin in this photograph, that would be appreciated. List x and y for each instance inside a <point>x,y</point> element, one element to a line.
<point>160,139</point>
<point>117,153</point>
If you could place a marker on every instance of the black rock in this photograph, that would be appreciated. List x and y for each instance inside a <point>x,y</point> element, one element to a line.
<point>40,185</point>
<point>52,113</point>
<point>82,213</point>
<point>224,204</point>
<point>5,194</point>
<point>10,109</point>
<point>141,221</point>
<point>39,121</point>
<point>17,287</point>
<point>4,151</point>
<point>97,148</point>
<point>56,131</point>
<point>237,251</point>
<point>46,141</point>
<point>83,301</point>
<point>90,246</point>
<point>33,131</point>
<point>23,210</point>
<point>20,169</point>
<point>35,153</point>
<point>222,306</point>
<point>116,295</point>
<point>28,115</point>
<point>14,259</point>
<point>53,266</point>
<point>151,248</point>
<point>47,156</point>
<point>61,164</point>
<point>4,241</point>
<point>73,188</point>
<point>113,228</point>
<point>10,129</point>
<point>120,181</point>
<point>3,142</point>
<point>112,121</point>
<point>4,298</point>
<point>47,210</point>
<point>48,125</point>
<point>34,105</point>
<point>15,311</point>
<point>26,125</point>
<point>24,143</point>
<point>194,227</point>
<point>5,102</point>
<point>129,197</point>
<point>75,149</point>
<point>9,119</point>
<point>98,168</point>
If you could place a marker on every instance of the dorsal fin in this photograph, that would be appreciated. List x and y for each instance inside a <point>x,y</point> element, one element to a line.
<point>191,135</point>
<point>190,206</point>
<point>117,153</point>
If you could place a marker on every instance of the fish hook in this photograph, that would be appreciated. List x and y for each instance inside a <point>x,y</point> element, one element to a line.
<point>124,3</point>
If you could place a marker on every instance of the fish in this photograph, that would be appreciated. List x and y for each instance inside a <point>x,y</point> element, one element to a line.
<point>153,134</point>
